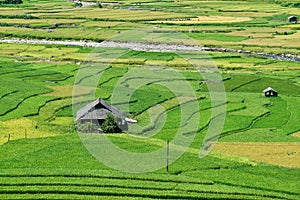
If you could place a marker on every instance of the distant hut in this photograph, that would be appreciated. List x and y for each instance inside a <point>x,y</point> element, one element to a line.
<point>97,111</point>
<point>292,19</point>
<point>270,92</point>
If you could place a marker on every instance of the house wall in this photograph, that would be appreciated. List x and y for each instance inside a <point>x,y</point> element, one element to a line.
<point>271,94</point>
<point>94,121</point>
<point>293,20</point>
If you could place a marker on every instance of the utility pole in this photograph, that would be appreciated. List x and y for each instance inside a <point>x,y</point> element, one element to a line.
<point>167,156</point>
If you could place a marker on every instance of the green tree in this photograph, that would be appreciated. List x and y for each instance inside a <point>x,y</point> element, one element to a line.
<point>110,125</point>
<point>99,5</point>
<point>78,4</point>
<point>12,2</point>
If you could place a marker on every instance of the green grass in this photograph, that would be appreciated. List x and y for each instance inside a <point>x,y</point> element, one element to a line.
<point>90,177</point>
<point>34,165</point>
<point>38,166</point>
<point>23,91</point>
<point>217,37</point>
<point>244,112</point>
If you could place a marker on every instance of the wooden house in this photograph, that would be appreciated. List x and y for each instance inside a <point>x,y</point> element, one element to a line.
<point>270,92</point>
<point>292,19</point>
<point>97,111</point>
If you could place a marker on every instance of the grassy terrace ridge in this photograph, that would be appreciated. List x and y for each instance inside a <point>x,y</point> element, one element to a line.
<point>257,155</point>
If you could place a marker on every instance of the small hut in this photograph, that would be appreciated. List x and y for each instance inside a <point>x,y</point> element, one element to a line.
<point>270,92</point>
<point>97,111</point>
<point>292,19</point>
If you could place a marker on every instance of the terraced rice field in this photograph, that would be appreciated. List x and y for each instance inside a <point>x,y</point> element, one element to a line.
<point>257,153</point>
<point>45,110</point>
<point>84,177</point>
<point>55,20</point>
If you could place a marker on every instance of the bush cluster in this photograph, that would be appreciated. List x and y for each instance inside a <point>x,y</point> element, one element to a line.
<point>18,16</point>
<point>288,4</point>
<point>110,125</point>
<point>11,2</point>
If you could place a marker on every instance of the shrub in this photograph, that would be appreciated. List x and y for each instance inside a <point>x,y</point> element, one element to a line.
<point>26,16</point>
<point>12,2</point>
<point>110,125</point>
<point>78,4</point>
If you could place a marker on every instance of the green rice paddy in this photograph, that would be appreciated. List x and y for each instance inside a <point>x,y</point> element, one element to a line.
<point>42,156</point>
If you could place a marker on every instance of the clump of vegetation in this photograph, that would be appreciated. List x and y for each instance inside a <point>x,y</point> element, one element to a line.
<point>11,2</point>
<point>99,5</point>
<point>285,3</point>
<point>78,4</point>
<point>285,33</point>
<point>18,16</point>
<point>110,125</point>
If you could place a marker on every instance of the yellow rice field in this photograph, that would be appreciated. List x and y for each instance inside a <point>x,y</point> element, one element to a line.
<point>12,11</point>
<point>259,32</point>
<point>21,128</point>
<point>37,21</point>
<point>296,134</point>
<point>277,41</point>
<point>67,91</point>
<point>121,14</point>
<point>276,153</point>
<point>209,20</point>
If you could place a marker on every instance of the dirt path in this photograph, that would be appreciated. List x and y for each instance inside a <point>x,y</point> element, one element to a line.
<point>154,47</point>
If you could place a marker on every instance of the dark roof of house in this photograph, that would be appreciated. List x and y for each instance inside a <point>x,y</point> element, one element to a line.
<point>89,111</point>
<point>291,17</point>
<point>269,89</point>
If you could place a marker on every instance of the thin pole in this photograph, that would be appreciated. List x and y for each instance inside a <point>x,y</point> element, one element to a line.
<point>167,156</point>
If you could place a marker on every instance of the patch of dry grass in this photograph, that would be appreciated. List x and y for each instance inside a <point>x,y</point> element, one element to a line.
<point>37,21</point>
<point>278,40</point>
<point>63,121</point>
<point>209,20</point>
<point>259,32</point>
<point>12,11</point>
<point>249,14</point>
<point>296,134</point>
<point>67,91</point>
<point>119,14</point>
<point>21,128</point>
<point>285,154</point>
